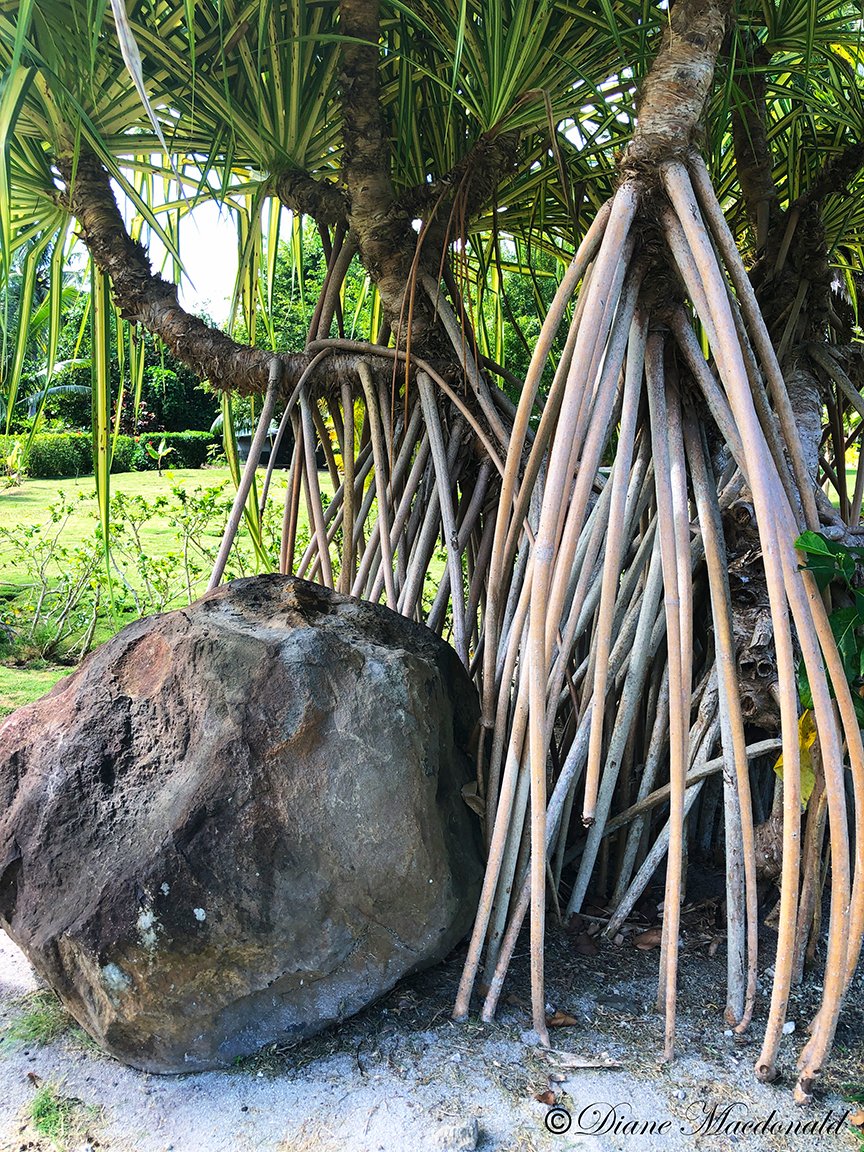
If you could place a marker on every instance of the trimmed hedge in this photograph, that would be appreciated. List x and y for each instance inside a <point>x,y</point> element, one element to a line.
<point>52,456</point>
<point>188,450</point>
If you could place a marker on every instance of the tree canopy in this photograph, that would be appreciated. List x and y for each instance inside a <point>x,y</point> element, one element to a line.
<point>495,117</point>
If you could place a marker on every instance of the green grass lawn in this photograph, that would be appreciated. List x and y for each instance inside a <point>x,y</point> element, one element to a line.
<point>851,476</point>
<point>21,684</point>
<point>25,672</point>
<point>29,504</point>
<point>23,675</point>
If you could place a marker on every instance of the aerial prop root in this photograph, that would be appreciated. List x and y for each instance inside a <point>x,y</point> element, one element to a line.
<point>530,648</point>
<point>398,489</point>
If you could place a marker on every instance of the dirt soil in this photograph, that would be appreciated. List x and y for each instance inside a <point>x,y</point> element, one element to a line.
<point>403,1077</point>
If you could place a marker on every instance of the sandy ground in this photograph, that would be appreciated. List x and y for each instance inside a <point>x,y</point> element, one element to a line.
<point>403,1076</point>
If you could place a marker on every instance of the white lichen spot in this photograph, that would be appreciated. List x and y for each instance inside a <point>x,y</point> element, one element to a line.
<point>148,927</point>
<point>200,914</point>
<point>165,888</point>
<point>115,979</point>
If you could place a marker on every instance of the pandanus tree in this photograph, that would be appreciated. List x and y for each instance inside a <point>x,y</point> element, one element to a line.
<point>621,575</point>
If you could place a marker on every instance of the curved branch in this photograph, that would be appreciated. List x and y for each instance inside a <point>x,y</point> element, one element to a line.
<point>144,297</point>
<point>322,200</point>
<point>836,176</point>
<point>473,179</point>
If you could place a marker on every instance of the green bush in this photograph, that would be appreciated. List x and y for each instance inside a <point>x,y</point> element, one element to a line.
<point>125,450</point>
<point>50,457</point>
<point>188,450</point>
<point>177,398</point>
<point>53,456</point>
<point>72,408</point>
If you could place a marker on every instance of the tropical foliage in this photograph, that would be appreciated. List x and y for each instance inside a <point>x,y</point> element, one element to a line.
<point>702,341</point>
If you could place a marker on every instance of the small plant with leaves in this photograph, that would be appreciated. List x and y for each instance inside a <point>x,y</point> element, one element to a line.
<point>853,1094</point>
<point>839,565</point>
<point>13,465</point>
<point>158,453</point>
<point>151,581</point>
<point>59,603</point>
<point>64,601</point>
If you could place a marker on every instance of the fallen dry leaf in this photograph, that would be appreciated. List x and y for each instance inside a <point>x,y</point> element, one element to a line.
<point>547,1097</point>
<point>561,1020</point>
<point>472,797</point>
<point>34,1079</point>
<point>584,945</point>
<point>857,1119</point>
<point>647,940</point>
<point>517,1002</point>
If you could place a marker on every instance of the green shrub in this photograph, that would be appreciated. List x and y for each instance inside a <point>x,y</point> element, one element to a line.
<point>52,456</point>
<point>72,408</point>
<point>189,449</point>
<point>125,452</point>
<point>177,398</point>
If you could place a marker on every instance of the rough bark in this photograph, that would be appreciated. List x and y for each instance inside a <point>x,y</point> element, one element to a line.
<point>382,229</point>
<point>384,234</point>
<point>143,297</point>
<point>751,618</point>
<point>805,395</point>
<point>837,175</point>
<point>470,184</point>
<point>321,200</point>
<point>472,181</point>
<point>679,83</point>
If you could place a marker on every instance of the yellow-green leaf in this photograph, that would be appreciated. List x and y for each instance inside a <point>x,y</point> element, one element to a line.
<point>806,739</point>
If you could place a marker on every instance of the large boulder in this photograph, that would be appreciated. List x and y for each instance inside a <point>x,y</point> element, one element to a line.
<point>240,822</point>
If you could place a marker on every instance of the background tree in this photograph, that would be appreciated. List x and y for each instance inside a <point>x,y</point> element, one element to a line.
<point>431,144</point>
